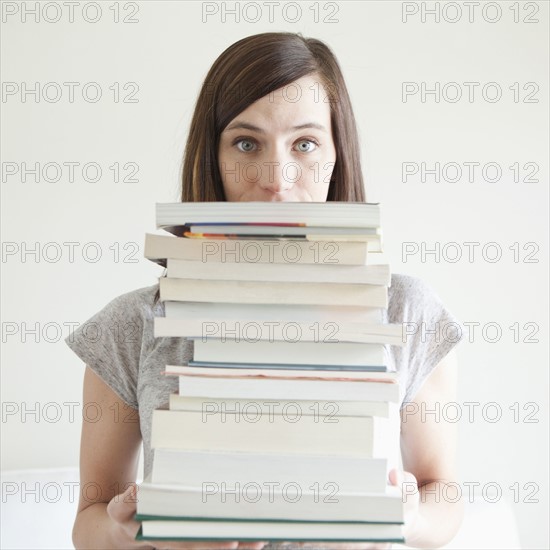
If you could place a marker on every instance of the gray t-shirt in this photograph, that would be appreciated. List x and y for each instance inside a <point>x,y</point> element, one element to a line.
<point>118,344</point>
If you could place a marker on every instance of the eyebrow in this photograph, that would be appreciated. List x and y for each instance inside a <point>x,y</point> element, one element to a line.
<point>247,126</point>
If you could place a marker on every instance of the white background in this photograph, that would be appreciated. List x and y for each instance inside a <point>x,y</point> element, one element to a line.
<point>167,53</point>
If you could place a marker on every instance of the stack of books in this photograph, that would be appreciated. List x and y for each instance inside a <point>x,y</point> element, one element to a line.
<point>286,421</point>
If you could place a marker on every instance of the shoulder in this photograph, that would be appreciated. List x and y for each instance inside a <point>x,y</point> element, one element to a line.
<point>125,323</point>
<point>140,298</point>
<point>137,304</point>
<point>410,297</point>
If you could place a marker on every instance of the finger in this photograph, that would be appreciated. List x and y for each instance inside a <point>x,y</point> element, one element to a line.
<point>395,476</point>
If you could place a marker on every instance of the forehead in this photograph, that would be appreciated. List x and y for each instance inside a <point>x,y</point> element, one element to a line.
<point>302,99</point>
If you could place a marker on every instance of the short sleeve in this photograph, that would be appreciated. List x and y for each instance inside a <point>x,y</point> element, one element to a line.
<point>110,344</point>
<point>430,331</point>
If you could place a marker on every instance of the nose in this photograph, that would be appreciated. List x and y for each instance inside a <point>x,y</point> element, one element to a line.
<point>279,173</point>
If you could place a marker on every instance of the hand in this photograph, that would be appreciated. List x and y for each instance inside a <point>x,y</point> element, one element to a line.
<point>410,496</point>
<point>122,509</point>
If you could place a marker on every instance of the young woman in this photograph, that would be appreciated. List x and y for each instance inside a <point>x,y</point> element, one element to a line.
<point>273,122</point>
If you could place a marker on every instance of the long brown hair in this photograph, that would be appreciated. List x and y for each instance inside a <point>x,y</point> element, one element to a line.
<point>248,70</point>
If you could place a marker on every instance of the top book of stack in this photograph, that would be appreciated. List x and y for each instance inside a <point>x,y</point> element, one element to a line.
<point>342,221</point>
<point>334,214</point>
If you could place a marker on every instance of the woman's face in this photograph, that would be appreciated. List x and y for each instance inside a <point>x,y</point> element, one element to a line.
<point>280,148</point>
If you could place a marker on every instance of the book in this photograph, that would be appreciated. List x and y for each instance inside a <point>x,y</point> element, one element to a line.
<point>317,408</point>
<point>280,366</point>
<point>192,468</point>
<point>274,531</point>
<point>290,501</point>
<point>160,247</point>
<point>276,230</point>
<point>283,352</point>
<point>362,436</point>
<point>374,242</point>
<point>250,331</point>
<point>321,273</point>
<point>291,374</point>
<point>321,214</point>
<point>262,292</point>
<point>269,312</point>
<point>274,388</point>
<point>371,236</point>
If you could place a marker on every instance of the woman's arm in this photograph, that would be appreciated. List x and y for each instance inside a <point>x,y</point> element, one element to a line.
<point>428,448</point>
<point>109,453</point>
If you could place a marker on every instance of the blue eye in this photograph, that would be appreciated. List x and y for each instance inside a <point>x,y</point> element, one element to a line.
<point>241,141</point>
<point>307,141</point>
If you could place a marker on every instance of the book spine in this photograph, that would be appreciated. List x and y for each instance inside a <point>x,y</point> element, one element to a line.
<point>254,292</point>
<point>348,436</point>
<point>248,251</point>
<point>278,331</point>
